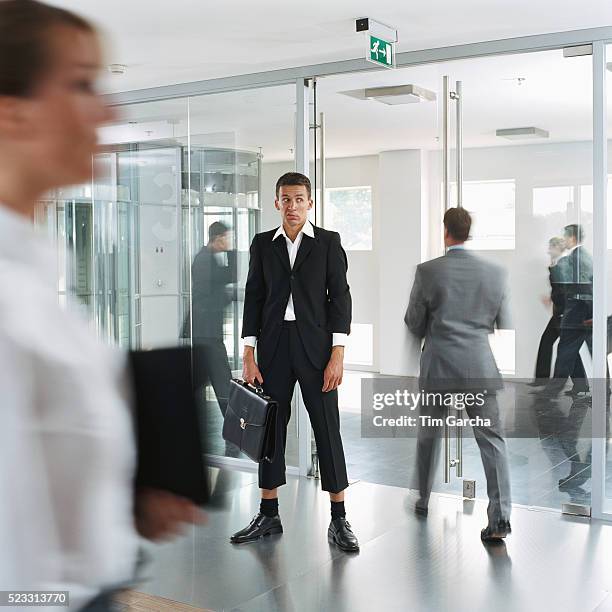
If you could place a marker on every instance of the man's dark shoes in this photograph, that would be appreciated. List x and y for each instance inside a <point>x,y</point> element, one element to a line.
<point>259,527</point>
<point>537,382</point>
<point>341,534</point>
<point>496,532</point>
<point>576,478</point>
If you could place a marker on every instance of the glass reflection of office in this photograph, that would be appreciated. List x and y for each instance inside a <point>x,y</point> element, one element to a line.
<point>119,242</point>
<point>224,186</point>
<point>93,233</point>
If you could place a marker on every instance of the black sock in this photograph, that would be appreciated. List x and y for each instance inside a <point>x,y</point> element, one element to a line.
<point>337,510</point>
<point>269,507</point>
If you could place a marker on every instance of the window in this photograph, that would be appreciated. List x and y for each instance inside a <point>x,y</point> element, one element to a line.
<point>348,210</point>
<point>557,206</point>
<point>491,204</point>
<point>552,200</point>
<point>586,206</point>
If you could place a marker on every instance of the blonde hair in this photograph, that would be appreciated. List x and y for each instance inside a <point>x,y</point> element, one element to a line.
<point>557,242</point>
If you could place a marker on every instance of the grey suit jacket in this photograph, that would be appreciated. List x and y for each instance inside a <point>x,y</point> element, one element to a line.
<point>456,302</point>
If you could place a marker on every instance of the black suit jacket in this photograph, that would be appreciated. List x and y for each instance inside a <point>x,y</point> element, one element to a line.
<point>321,295</point>
<point>557,292</point>
<point>210,296</point>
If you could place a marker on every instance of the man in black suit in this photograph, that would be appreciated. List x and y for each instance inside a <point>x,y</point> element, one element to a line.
<point>297,309</point>
<point>574,273</point>
<point>556,248</point>
<point>210,277</point>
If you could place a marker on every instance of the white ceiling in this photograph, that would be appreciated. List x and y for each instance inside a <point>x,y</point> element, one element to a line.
<point>555,95</point>
<point>185,40</point>
<point>165,42</point>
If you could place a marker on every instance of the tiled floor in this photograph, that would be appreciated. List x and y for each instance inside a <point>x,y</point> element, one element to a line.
<point>536,463</point>
<point>550,562</point>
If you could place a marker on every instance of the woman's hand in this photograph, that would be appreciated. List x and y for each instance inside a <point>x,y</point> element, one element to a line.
<point>160,515</point>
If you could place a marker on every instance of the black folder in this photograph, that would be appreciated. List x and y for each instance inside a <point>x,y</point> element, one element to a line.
<point>170,452</point>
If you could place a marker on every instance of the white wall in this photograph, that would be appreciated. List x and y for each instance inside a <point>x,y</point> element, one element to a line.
<point>403,201</point>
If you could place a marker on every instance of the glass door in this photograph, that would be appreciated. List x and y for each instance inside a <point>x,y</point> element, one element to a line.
<point>94,234</point>
<point>523,176</point>
<point>233,160</point>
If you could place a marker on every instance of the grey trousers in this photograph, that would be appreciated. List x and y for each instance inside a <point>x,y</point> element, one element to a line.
<point>492,452</point>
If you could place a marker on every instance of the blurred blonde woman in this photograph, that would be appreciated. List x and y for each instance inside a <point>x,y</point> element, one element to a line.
<point>69,517</point>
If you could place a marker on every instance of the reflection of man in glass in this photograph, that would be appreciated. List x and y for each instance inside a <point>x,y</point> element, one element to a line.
<point>556,250</point>
<point>574,273</point>
<point>210,277</point>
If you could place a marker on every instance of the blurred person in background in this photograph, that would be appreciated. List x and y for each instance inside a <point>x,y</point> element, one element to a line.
<point>456,301</point>
<point>556,250</point>
<point>70,515</point>
<point>574,273</point>
<point>210,277</point>
<point>213,274</point>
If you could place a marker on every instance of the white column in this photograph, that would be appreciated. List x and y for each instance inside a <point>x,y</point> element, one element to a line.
<point>403,218</point>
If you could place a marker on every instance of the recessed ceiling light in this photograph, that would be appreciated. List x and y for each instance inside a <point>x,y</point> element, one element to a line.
<point>522,133</point>
<point>117,68</point>
<point>400,94</point>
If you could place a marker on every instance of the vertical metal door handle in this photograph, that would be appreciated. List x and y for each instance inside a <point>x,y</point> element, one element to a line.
<point>446,449</point>
<point>322,155</point>
<point>459,108</point>
<point>459,450</point>
<point>445,147</point>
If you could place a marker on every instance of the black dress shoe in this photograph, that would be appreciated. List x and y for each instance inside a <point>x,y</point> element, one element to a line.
<point>574,480</point>
<point>496,532</point>
<point>260,526</point>
<point>577,392</point>
<point>341,534</point>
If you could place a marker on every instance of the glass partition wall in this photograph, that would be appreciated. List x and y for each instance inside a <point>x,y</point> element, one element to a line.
<point>127,242</point>
<point>526,174</point>
<point>602,428</point>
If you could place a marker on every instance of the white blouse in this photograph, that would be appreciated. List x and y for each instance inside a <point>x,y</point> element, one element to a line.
<point>67,453</point>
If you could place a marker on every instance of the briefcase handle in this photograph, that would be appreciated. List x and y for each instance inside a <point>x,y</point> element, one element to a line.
<point>256,387</point>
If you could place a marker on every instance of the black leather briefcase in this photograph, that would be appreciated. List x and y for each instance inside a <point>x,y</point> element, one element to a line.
<point>250,421</point>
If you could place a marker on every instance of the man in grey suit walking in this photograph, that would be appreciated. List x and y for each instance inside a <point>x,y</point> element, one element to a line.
<point>455,303</point>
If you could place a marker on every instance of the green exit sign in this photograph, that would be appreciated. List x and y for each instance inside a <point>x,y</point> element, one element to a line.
<point>381,52</point>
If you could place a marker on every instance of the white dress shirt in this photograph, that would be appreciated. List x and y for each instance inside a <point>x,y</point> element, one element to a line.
<point>338,339</point>
<point>66,440</point>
